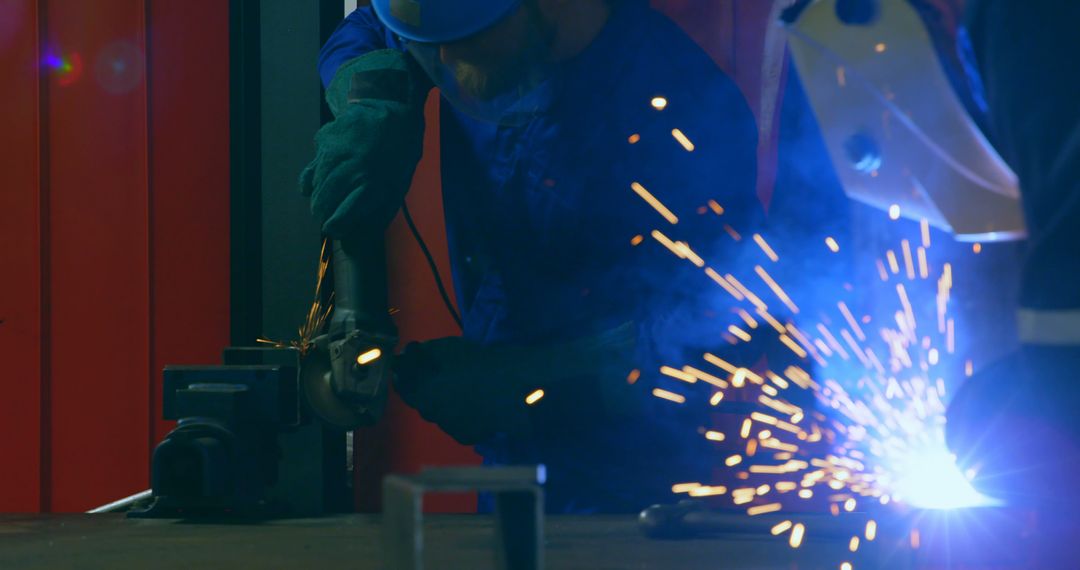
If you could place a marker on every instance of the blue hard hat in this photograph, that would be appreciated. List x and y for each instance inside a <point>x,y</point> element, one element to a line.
<point>441,21</point>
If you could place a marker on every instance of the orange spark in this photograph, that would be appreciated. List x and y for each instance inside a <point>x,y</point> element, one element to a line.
<point>762,509</point>
<point>769,252</point>
<point>670,396</point>
<point>685,142</point>
<point>534,397</point>
<point>783,296</point>
<point>652,201</point>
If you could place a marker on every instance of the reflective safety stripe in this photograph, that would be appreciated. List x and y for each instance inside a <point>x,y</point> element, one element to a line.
<point>1049,327</point>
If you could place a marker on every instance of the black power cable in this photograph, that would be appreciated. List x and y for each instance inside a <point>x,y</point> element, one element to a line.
<point>431,263</point>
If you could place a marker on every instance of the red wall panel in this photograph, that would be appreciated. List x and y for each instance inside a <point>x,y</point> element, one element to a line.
<point>114,207</point>
<point>98,251</point>
<point>189,183</point>
<point>20,261</point>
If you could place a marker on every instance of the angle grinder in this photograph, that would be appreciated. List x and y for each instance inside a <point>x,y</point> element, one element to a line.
<point>346,374</point>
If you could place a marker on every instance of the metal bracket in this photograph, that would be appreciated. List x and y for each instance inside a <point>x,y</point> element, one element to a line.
<point>519,512</point>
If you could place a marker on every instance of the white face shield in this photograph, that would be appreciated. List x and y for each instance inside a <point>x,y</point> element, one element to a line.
<point>500,75</point>
<point>895,129</point>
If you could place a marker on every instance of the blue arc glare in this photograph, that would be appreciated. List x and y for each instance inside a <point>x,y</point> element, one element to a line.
<point>929,478</point>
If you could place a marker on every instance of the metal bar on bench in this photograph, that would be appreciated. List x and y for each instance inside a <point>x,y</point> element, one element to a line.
<point>519,514</point>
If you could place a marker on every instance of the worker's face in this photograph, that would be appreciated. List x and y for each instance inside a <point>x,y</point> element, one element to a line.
<point>499,58</point>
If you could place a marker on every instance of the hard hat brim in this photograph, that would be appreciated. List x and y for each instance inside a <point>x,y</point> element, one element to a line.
<point>445,22</point>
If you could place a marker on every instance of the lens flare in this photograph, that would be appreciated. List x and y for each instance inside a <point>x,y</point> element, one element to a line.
<point>67,69</point>
<point>120,67</point>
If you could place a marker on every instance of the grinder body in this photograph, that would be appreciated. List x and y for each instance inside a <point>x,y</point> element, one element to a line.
<point>341,388</point>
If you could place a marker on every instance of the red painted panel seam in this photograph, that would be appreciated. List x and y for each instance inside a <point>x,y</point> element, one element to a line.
<point>45,384</point>
<point>150,311</point>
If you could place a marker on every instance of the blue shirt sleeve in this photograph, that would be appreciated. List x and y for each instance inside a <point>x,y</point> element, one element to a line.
<point>359,33</point>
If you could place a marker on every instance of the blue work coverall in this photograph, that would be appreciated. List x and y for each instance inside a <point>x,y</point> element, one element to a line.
<point>540,219</point>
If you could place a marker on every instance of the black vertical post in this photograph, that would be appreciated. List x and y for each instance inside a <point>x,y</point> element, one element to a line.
<point>276,106</point>
<point>291,100</point>
<point>245,250</point>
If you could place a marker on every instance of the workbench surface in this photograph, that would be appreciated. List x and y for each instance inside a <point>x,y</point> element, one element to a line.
<point>453,542</point>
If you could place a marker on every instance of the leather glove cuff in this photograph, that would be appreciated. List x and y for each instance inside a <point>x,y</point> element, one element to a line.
<point>386,74</point>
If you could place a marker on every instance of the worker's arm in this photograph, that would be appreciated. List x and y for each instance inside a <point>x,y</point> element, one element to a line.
<point>476,392</point>
<point>366,156</point>
<point>359,33</point>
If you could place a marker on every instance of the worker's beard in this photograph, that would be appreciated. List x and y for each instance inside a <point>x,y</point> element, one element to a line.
<point>483,84</point>
<point>486,85</point>
<point>516,74</point>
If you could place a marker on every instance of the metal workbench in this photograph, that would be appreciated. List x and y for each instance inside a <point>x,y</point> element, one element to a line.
<point>353,541</point>
<point>465,542</point>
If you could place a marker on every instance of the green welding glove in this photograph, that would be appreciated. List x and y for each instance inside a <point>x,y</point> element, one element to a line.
<point>474,392</point>
<point>365,158</point>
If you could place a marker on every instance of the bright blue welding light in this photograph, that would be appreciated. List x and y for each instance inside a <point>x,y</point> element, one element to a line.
<point>930,479</point>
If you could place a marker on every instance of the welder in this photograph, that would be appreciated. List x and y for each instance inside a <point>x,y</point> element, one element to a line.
<point>1016,423</point>
<point>558,118</point>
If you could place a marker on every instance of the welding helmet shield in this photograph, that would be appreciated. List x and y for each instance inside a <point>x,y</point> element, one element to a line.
<point>489,59</point>
<point>897,132</point>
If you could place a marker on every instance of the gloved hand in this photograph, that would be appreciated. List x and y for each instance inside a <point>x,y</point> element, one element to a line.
<point>365,158</point>
<point>474,392</point>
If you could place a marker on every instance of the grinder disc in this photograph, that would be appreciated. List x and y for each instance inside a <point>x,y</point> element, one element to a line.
<point>316,382</point>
